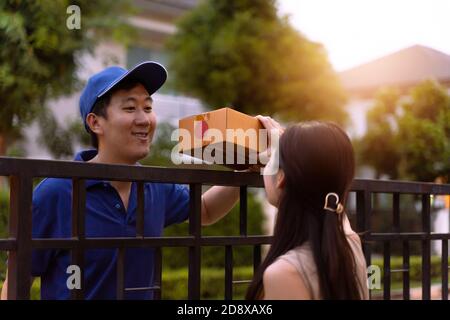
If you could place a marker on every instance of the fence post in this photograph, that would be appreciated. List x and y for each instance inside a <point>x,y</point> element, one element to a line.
<point>19,260</point>
<point>195,191</point>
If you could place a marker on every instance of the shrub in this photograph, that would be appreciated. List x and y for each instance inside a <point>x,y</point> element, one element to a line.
<point>212,285</point>
<point>415,268</point>
<point>176,258</point>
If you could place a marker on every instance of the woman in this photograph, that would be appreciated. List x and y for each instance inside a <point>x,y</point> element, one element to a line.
<point>314,254</point>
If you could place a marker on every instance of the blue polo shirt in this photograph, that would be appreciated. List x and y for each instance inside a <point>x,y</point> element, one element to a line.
<point>165,204</point>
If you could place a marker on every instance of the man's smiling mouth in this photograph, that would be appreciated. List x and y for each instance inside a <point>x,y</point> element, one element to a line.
<point>141,135</point>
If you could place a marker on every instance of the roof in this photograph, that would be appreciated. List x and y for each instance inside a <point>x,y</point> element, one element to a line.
<point>403,69</point>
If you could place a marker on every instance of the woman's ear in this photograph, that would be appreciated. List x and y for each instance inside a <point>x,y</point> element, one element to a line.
<point>92,120</point>
<point>280,179</point>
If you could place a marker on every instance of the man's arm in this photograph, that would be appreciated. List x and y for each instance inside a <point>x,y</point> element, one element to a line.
<point>217,202</point>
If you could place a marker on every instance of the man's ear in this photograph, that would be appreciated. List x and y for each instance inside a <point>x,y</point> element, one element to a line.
<point>281,179</point>
<point>92,120</point>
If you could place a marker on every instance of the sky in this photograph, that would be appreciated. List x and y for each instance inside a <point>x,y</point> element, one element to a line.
<point>358,31</point>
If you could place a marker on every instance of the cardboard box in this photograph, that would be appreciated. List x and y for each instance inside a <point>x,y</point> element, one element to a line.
<point>223,134</point>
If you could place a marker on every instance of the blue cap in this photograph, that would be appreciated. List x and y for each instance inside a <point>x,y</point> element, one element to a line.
<point>151,75</point>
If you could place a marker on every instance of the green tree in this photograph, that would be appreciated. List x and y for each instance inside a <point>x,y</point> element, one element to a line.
<point>161,146</point>
<point>378,148</point>
<point>241,53</point>
<point>424,134</point>
<point>410,139</point>
<point>38,55</point>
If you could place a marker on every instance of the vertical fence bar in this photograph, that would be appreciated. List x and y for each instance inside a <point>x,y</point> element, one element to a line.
<point>195,191</point>
<point>396,212</point>
<point>158,274</point>
<point>256,257</point>
<point>120,273</point>
<point>243,211</point>
<point>444,269</point>
<point>228,272</point>
<point>19,260</point>
<point>426,252</point>
<point>406,267</point>
<point>78,231</point>
<point>387,270</point>
<point>363,211</point>
<point>140,210</point>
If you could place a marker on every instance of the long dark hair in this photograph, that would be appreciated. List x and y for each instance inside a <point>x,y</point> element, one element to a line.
<point>317,158</point>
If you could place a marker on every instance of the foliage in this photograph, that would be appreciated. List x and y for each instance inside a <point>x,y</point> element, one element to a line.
<point>228,226</point>
<point>240,53</point>
<point>39,54</point>
<point>53,136</point>
<point>409,139</point>
<point>212,283</point>
<point>161,146</point>
<point>374,148</point>
<point>58,140</point>
<point>415,268</point>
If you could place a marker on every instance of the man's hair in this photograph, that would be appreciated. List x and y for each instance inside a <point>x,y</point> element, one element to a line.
<point>101,105</point>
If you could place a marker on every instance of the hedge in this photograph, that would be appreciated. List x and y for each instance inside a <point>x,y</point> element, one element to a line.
<point>415,268</point>
<point>175,282</point>
<point>212,283</point>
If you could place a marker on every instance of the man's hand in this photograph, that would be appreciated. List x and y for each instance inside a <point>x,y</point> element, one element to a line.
<point>269,124</point>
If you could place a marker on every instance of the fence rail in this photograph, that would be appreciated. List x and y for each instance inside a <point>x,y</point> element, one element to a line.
<point>21,173</point>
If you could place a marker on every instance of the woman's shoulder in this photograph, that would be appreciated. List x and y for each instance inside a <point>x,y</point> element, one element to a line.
<point>301,259</point>
<point>279,268</point>
<point>282,281</point>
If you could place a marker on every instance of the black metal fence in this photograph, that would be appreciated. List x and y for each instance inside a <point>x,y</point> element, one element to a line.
<point>20,243</point>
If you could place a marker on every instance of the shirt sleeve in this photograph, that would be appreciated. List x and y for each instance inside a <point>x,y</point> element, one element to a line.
<point>177,204</point>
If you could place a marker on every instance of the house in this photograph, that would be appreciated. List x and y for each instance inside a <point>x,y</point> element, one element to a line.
<point>154,22</point>
<point>403,69</point>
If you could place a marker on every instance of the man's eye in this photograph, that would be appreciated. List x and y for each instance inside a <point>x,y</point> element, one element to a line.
<point>130,108</point>
<point>148,109</point>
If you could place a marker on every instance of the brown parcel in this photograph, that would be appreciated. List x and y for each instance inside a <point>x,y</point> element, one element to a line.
<point>244,152</point>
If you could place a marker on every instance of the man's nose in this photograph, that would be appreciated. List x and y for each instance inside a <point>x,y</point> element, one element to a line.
<point>142,118</point>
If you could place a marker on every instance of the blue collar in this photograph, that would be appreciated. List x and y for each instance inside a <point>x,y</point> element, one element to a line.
<point>84,156</point>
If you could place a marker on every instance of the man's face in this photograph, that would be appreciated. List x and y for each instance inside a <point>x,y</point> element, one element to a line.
<point>129,127</point>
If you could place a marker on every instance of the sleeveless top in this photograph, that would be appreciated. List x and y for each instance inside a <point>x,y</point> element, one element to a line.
<point>302,259</point>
